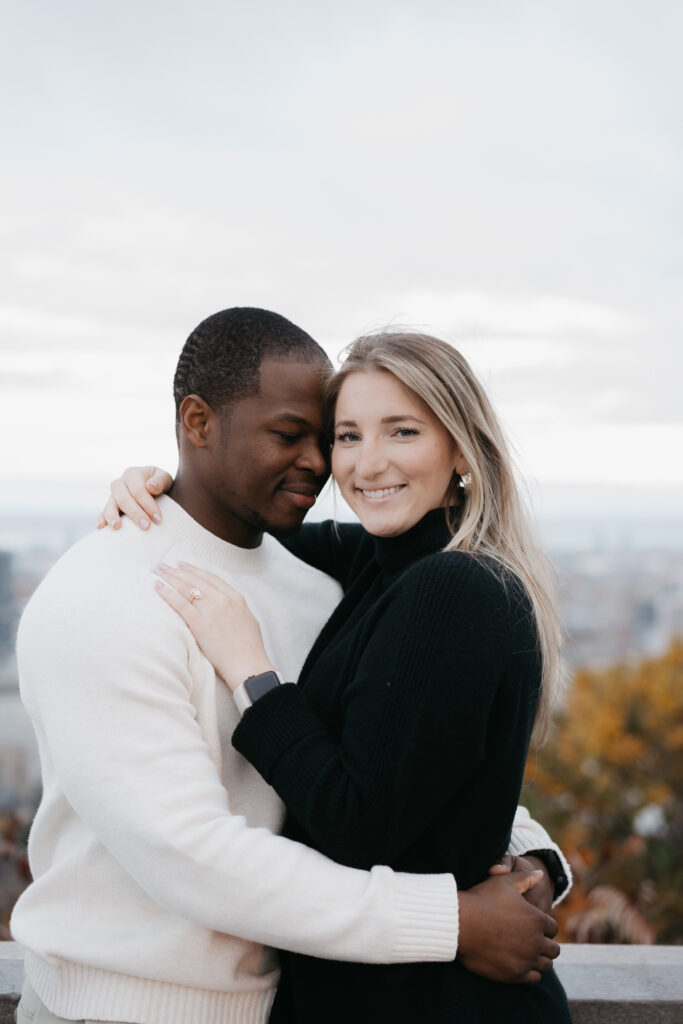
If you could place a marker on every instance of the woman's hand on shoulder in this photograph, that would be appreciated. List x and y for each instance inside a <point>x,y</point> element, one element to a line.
<point>219,619</point>
<point>132,495</point>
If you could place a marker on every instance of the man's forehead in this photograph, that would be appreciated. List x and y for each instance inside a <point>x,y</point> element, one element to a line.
<point>288,381</point>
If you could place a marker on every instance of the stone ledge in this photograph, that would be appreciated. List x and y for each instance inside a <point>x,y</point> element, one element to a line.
<point>623,984</point>
<point>605,984</point>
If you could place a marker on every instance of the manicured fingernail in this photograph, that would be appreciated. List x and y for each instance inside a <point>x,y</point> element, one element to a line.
<point>183,563</point>
<point>115,524</point>
<point>144,524</point>
<point>157,518</point>
<point>162,568</point>
<point>159,584</point>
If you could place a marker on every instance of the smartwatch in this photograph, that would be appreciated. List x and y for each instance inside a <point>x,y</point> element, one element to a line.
<point>554,868</point>
<point>254,687</point>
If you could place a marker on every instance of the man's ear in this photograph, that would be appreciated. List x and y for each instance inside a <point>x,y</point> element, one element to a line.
<point>197,420</point>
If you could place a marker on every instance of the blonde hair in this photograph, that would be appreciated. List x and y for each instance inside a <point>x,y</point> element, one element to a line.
<point>492,520</point>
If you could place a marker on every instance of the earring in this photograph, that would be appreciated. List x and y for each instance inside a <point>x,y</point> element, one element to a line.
<point>465,481</point>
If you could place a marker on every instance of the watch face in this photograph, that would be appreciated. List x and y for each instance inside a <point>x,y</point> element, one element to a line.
<point>258,685</point>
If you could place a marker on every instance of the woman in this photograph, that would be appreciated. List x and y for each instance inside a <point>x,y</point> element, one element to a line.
<point>416,704</point>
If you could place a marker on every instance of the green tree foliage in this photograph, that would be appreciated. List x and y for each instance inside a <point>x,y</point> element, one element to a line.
<point>609,785</point>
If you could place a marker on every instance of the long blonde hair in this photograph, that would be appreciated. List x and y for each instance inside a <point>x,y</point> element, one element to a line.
<point>492,518</point>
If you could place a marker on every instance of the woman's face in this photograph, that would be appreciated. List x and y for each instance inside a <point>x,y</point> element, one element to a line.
<point>392,459</point>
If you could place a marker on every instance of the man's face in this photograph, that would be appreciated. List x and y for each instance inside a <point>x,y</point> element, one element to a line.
<point>269,461</point>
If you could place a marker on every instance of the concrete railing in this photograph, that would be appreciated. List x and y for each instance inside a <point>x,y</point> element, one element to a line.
<point>605,984</point>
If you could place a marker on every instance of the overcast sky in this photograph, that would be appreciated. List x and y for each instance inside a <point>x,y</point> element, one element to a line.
<point>508,175</point>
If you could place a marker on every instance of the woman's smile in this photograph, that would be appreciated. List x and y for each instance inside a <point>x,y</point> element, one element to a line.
<point>381,493</point>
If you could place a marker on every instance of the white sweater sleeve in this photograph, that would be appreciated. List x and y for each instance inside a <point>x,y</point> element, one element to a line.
<point>106,678</point>
<point>527,835</point>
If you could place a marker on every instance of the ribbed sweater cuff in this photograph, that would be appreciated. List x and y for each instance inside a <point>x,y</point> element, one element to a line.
<point>276,721</point>
<point>76,991</point>
<point>428,918</point>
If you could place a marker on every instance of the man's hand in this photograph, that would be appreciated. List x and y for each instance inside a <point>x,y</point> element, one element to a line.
<point>503,936</point>
<point>542,894</point>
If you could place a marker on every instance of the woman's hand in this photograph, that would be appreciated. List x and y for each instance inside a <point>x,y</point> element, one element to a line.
<point>219,619</point>
<point>131,494</point>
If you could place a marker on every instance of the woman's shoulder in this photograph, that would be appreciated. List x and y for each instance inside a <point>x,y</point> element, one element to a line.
<point>479,577</point>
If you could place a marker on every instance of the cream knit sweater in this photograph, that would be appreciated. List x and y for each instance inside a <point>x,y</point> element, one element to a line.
<point>154,844</point>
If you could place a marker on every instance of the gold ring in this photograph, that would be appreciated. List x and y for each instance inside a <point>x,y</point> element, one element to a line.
<point>195,595</point>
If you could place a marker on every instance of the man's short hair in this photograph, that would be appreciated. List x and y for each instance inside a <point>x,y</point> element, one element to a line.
<point>221,359</point>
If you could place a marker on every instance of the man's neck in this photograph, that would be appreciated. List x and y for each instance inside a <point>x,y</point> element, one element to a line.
<point>211,514</point>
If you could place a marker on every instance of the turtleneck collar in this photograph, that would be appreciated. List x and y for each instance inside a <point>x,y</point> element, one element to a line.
<point>429,535</point>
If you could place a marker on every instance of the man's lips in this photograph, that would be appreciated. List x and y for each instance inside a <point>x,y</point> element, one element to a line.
<point>301,495</point>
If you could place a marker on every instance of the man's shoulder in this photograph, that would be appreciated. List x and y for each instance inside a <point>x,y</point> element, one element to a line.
<point>106,573</point>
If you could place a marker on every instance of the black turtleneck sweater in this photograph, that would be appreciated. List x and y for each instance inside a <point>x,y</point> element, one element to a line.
<point>404,744</point>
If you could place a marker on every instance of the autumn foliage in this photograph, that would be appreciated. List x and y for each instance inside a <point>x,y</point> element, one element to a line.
<point>608,784</point>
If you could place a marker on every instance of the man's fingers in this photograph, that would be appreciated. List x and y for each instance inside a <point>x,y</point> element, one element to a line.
<point>504,866</point>
<point>525,880</point>
<point>551,949</point>
<point>531,978</point>
<point>551,928</point>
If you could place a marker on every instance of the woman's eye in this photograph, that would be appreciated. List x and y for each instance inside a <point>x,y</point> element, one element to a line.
<point>346,435</point>
<point>406,432</point>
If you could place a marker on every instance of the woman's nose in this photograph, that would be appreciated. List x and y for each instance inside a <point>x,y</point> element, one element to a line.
<point>371,460</point>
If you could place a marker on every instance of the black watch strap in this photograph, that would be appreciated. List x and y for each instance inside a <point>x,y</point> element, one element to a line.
<point>554,867</point>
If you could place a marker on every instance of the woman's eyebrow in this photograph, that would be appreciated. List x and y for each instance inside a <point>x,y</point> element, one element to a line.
<point>385,419</point>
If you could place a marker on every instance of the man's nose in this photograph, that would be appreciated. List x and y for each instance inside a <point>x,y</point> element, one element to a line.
<point>313,459</point>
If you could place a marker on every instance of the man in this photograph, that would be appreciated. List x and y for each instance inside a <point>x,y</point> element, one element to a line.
<point>157,876</point>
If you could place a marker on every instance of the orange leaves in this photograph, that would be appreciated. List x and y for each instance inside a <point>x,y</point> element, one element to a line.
<point>609,784</point>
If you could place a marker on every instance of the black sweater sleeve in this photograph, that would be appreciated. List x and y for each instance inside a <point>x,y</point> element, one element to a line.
<point>332,547</point>
<point>416,716</point>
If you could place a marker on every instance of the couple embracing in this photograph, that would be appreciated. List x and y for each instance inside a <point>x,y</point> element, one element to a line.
<point>200,811</point>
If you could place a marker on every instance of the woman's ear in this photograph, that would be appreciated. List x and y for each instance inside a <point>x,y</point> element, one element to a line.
<point>460,464</point>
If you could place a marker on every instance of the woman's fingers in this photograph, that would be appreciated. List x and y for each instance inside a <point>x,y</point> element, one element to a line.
<point>177,602</point>
<point>131,494</point>
<point>110,513</point>
<point>185,579</point>
<point>220,621</point>
<point>207,577</point>
<point>159,482</point>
